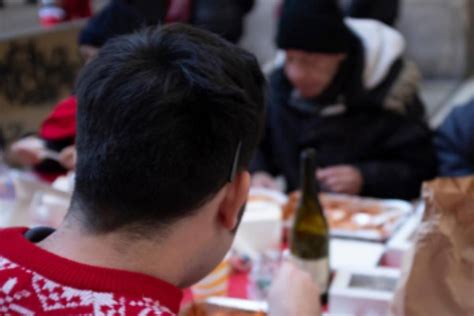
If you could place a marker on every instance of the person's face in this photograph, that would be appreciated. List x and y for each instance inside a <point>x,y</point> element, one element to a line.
<point>311,73</point>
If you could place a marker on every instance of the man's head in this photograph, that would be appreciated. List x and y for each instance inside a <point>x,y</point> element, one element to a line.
<point>316,41</point>
<point>162,117</point>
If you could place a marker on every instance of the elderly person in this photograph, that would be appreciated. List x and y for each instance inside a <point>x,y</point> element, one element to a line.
<point>344,89</point>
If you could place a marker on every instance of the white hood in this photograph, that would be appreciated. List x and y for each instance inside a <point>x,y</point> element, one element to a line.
<point>383,45</point>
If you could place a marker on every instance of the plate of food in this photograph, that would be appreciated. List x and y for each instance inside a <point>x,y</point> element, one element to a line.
<point>357,217</point>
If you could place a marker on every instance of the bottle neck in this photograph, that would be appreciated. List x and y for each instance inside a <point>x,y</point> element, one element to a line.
<point>309,186</point>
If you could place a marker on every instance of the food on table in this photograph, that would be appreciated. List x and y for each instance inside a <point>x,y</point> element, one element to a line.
<point>351,213</point>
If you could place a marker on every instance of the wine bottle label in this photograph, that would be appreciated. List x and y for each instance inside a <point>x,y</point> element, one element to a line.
<point>318,269</point>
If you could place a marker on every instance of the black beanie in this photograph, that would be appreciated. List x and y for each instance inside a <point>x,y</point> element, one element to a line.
<point>313,26</point>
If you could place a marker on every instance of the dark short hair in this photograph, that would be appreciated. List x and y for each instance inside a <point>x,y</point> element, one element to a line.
<point>161,114</point>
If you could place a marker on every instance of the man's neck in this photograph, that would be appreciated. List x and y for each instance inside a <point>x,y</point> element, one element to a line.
<point>147,256</point>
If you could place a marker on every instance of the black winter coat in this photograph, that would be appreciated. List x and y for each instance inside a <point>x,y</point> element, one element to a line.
<point>394,152</point>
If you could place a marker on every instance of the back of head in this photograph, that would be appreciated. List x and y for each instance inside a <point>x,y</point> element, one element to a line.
<point>160,116</point>
<point>313,26</point>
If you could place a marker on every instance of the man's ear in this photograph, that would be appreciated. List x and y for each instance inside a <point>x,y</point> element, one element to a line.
<point>235,197</point>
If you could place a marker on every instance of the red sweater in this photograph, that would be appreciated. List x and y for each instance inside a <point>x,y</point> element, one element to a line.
<point>36,282</point>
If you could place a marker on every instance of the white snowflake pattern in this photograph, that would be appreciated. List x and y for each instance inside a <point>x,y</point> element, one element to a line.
<point>6,264</point>
<point>150,307</point>
<point>105,306</point>
<point>9,298</point>
<point>21,310</point>
<point>56,297</point>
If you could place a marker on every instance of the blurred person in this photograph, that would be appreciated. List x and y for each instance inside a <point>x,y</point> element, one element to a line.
<point>455,142</point>
<point>35,151</point>
<point>51,153</point>
<point>119,17</point>
<point>52,12</point>
<point>224,17</point>
<point>385,11</point>
<point>147,178</point>
<point>345,90</point>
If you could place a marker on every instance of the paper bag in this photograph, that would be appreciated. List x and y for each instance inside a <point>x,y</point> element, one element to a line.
<point>438,278</point>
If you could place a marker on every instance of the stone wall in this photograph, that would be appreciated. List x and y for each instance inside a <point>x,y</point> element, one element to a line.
<point>260,30</point>
<point>438,34</point>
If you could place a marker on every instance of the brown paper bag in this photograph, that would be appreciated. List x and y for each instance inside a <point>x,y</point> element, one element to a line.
<point>439,275</point>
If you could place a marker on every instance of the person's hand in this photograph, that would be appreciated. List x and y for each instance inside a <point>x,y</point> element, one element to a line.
<point>341,179</point>
<point>293,292</point>
<point>264,180</point>
<point>67,157</point>
<point>28,151</point>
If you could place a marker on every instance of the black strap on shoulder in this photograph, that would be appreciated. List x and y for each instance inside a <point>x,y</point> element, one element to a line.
<point>37,234</point>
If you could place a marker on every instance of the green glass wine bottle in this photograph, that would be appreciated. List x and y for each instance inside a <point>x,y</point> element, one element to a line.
<point>309,243</point>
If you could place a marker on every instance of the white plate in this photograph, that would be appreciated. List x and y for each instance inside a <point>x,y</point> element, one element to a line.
<point>403,207</point>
